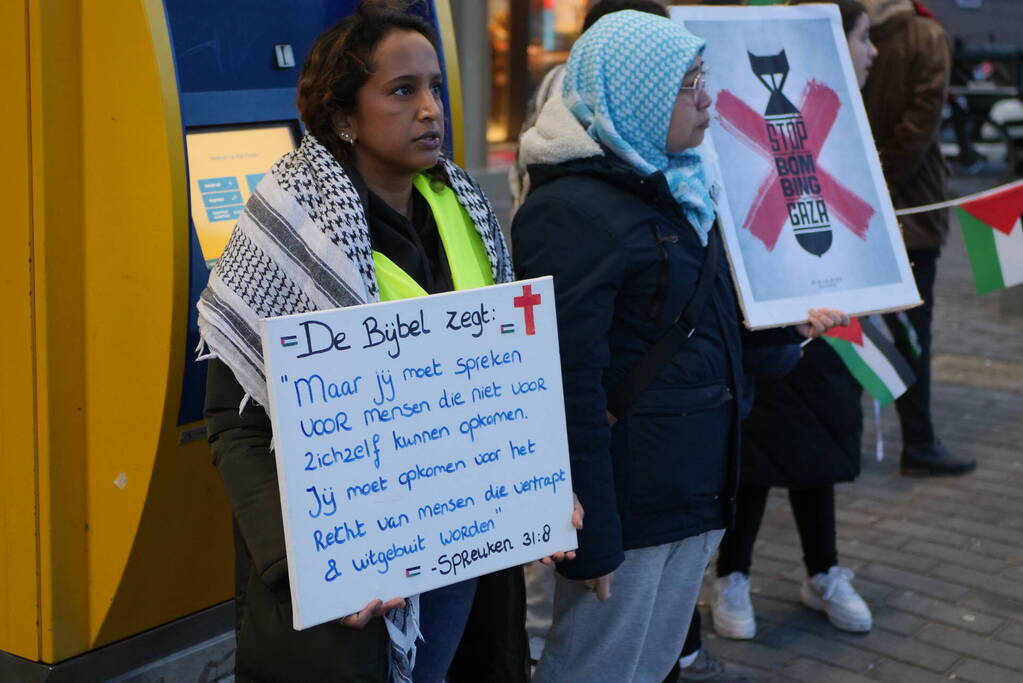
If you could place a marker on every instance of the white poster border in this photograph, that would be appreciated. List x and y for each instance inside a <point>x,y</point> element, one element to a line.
<point>793,310</point>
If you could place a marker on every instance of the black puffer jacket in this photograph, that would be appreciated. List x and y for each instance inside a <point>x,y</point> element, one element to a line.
<point>805,428</point>
<point>625,262</point>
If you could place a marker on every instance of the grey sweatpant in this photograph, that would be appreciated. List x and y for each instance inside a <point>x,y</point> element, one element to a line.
<point>637,634</point>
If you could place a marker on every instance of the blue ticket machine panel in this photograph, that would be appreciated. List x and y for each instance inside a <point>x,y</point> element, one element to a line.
<point>238,62</point>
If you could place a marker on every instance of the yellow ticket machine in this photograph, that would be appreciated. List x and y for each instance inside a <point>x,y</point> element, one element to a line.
<point>135,130</point>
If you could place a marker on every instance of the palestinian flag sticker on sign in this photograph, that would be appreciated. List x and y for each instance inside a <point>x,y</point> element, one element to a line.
<point>994,238</point>
<point>872,359</point>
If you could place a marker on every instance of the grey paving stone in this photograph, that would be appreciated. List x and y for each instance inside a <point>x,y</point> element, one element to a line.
<point>750,653</point>
<point>928,528</point>
<point>784,588</point>
<point>921,531</point>
<point>956,556</point>
<point>823,649</point>
<point>896,621</point>
<point>890,671</point>
<point>875,536</point>
<point>1013,522</point>
<point>778,551</point>
<point>1006,608</point>
<point>936,610</point>
<point>847,516</point>
<point>937,501</point>
<point>995,489</point>
<point>894,558</point>
<point>1013,633</point>
<point>811,671</point>
<point>916,582</point>
<point>766,567</point>
<point>791,614</point>
<point>981,581</point>
<point>986,531</point>
<point>906,650</point>
<point>978,647</point>
<point>985,672</point>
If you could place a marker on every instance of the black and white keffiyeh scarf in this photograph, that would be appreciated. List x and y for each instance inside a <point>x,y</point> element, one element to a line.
<point>302,244</point>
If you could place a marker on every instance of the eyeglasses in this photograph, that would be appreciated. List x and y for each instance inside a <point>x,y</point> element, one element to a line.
<point>699,84</point>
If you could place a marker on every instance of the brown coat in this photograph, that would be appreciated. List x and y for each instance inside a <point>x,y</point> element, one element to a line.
<point>904,95</point>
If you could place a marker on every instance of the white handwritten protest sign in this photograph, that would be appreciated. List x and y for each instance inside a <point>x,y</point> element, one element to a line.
<point>419,443</point>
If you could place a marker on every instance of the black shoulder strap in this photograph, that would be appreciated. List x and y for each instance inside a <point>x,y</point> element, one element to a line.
<point>620,399</point>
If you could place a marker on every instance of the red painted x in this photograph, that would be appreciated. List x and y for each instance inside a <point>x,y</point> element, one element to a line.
<point>768,213</point>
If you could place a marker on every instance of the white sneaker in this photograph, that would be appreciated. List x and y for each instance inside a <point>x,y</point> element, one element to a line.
<point>732,608</point>
<point>833,593</point>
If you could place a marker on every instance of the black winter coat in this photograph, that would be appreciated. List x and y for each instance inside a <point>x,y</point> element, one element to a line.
<point>625,262</point>
<point>805,428</point>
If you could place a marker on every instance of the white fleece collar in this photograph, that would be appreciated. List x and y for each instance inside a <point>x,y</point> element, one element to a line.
<point>556,137</point>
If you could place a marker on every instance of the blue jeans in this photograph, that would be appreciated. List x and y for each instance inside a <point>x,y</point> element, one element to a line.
<point>443,613</point>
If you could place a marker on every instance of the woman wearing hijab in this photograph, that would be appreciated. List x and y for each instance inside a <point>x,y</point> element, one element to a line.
<point>620,214</point>
<point>366,209</point>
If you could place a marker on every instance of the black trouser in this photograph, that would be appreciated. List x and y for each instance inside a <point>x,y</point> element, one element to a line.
<point>814,511</point>
<point>691,645</point>
<point>914,406</point>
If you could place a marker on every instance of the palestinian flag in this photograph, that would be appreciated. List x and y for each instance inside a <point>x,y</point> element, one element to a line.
<point>906,333</point>
<point>872,359</point>
<point>994,237</point>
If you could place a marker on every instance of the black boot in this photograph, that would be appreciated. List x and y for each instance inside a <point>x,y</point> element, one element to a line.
<point>933,459</point>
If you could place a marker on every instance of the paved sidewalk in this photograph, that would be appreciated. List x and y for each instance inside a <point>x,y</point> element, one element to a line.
<point>940,561</point>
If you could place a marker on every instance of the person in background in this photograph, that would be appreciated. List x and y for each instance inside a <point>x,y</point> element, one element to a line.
<point>803,433</point>
<point>904,96</point>
<point>366,209</point>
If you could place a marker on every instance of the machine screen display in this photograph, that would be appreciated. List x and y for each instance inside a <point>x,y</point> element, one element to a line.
<point>224,167</point>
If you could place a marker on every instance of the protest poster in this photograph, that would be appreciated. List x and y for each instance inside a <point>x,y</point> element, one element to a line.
<point>418,443</point>
<point>801,197</point>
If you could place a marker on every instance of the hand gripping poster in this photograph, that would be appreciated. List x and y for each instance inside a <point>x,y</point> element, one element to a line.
<point>806,215</point>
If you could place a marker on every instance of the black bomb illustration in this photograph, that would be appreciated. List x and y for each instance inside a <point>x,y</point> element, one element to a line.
<point>797,173</point>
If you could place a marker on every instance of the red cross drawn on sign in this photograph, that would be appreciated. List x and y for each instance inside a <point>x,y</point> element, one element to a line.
<point>526,302</point>
<point>768,212</point>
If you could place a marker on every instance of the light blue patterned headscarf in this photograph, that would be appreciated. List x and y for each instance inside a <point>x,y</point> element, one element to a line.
<point>620,83</point>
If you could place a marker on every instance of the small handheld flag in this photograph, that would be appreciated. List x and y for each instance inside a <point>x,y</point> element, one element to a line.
<point>872,359</point>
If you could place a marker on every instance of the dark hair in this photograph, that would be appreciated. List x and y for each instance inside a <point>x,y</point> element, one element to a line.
<point>850,9</point>
<point>340,62</point>
<point>607,6</point>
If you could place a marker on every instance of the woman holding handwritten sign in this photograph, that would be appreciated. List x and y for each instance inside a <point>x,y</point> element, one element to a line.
<point>366,209</point>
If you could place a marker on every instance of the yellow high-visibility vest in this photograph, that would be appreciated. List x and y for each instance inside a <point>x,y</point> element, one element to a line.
<point>467,258</point>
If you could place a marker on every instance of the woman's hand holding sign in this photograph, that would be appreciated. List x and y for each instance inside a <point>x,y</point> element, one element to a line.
<point>820,321</point>
<point>577,522</point>
<point>373,609</point>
